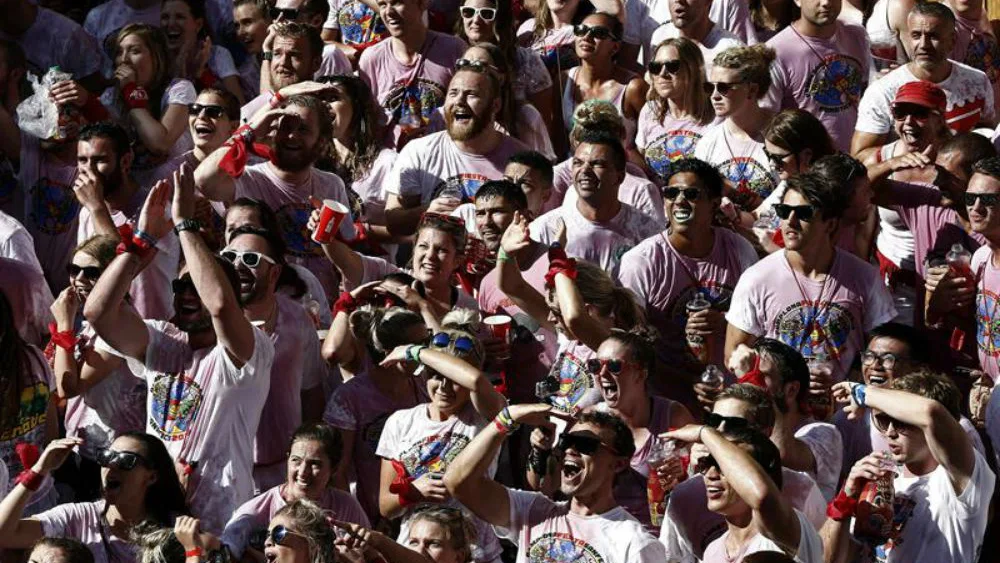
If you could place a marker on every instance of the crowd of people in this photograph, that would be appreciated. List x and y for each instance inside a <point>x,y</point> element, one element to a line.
<point>484,281</point>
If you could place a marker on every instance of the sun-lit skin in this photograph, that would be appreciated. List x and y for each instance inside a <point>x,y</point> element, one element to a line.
<point>80,282</point>
<point>294,548</point>
<point>476,28</point>
<point>626,388</point>
<point>309,471</point>
<point>738,98</point>
<point>209,133</point>
<point>984,219</point>
<point>684,215</point>
<point>469,108</point>
<point>435,256</point>
<point>401,15</point>
<point>120,485</point>
<point>47,554</point>
<point>133,52</point>
<point>876,374</point>
<point>251,27</point>
<point>493,216</point>
<point>532,184</point>
<point>584,477</point>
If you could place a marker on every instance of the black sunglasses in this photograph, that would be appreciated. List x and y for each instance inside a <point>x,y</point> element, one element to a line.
<point>582,443</point>
<point>802,212</point>
<point>882,422</point>
<point>487,14</point>
<point>278,534</point>
<point>182,285</point>
<point>89,272</point>
<point>211,110</point>
<point>732,422</point>
<point>615,366</point>
<point>723,87</point>
<point>126,461</point>
<point>671,193</point>
<point>988,200</point>
<point>920,113</point>
<point>289,13</point>
<point>778,160</point>
<point>706,463</point>
<point>595,31</point>
<point>673,67</point>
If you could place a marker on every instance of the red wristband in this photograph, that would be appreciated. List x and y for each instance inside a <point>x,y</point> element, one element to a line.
<point>135,97</point>
<point>841,507</point>
<point>276,100</point>
<point>402,485</point>
<point>346,303</point>
<point>566,266</point>
<point>64,339</point>
<point>196,552</point>
<point>31,479</point>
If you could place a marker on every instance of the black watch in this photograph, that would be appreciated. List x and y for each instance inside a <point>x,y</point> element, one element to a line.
<point>187,225</point>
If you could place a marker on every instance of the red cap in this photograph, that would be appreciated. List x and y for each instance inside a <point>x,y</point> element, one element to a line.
<point>922,93</point>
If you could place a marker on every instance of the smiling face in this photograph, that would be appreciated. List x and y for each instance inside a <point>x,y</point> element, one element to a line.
<point>309,470</point>
<point>435,256</point>
<point>82,283</point>
<point>469,107</point>
<point>877,373</point>
<point>917,133</point>
<point>209,133</point>
<point>721,496</point>
<point>251,27</point>
<point>585,475</point>
<point>256,284</point>
<point>493,216</point>
<point>341,113</point>
<point>433,541</point>
<point>985,219</point>
<point>400,15</point>
<point>477,29</point>
<point>294,548</point>
<point>133,52</point>
<point>189,314</point>
<point>179,24</point>
<point>120,484</point>
<point>694,215</point>
<point>297,142</point>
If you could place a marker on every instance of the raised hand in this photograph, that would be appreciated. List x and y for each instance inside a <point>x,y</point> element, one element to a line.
<point>55,454</point>
<point>153,217</point>
<point>89,189</point>
<point>187,531</point>
<point>516,236</point>
<point>65,307</point>
<point>69,92</point>
<point>184,194</point>
<point>431,487</point>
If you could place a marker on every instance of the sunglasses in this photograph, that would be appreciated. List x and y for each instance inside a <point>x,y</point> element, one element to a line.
<point>777,159</point>
<point>706,463</point>
<point>183,285</point>
<point>920,113</point>
<point>882,422</point>
<point>463,344</point>
<point>126,461</point>
<point>89,272</point>
<point>988,200</point>
<point>731,422</point>
<point>289,13</point>
<point>672,67</point>
<point>211,111</point>
<point>475,66</point>
<point>615,366</point>
<point>671,193</point>
<point>888,360</point>
<point>582,443</point>
<point>595,31</point>
<point>485,14</point>
<point>278,534</point>
<point>722,87</point>
<point>249,259</point>
<point>802,212</point>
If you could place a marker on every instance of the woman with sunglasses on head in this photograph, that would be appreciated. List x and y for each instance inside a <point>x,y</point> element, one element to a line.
<point>301,533</point>
<point>678,111</point>
<point>313,457</point>
<point>417,444</point>
<point>599,76</point>
<point>740,78</point>
<point>139,484</point>
<point>191,48</point>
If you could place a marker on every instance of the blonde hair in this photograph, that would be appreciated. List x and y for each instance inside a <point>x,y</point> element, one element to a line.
<point>694,101</point>
<point>464,322</point>
<point>461,532</point>
<point>380,329</point>
<point>597,115</point>
<point>754,64</point>
<point>597,288</point>
<point>310,521</point>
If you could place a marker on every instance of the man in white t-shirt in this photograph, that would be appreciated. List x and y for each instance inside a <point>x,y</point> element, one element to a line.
<point>207,370</point>
<point>690,19</point>
<point>590,525</point>
<point>439,172</point>
<point>942,485</point>
<point>969,92</point>
<point>293,53</point>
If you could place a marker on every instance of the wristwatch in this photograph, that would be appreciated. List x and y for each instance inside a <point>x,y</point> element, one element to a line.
<point>267,55</point>
<point>187,225</point>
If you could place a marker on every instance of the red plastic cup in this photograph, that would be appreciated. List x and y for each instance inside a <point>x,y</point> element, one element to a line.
<point>329,220</point>
<point>499,325</point>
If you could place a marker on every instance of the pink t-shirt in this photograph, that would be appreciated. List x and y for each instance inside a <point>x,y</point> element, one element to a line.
<point>370,187</point>
<point>206,410</point>
<point>409,94</point>
<point>17,244</point>
<point>662,143</point>
<point>987,318</point>
<point>251,520</point>
<point>335,63</point>
<point>976,45</point>
<point>821,319</point>
<point>825,77</point>
<point>55,40</point>
<point>84,522</point>
<point>545,530</point>
<point>634,190</point>
<point>557,47</point>
<point>742,162</point>
<point>434,166</point>
<point>665,281</point>
<point>603,244</point>
<point>290,203</point>
<point>32,415</point>
<point>359,406</point>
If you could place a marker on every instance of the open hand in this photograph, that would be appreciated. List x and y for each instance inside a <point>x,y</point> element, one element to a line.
<point>153,218</point>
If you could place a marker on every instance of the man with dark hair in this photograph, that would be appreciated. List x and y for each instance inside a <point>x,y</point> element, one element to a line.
<point>590,524</point>
<point>816,298</point>
<point>690,259</point>
<point>942,490</point>
<point>207,369</point>
<point>849,177</point>
<point>439,172</point>
<point>599,228</point>
<point>930,39</point>
<point>692,20</point>
<point>288,182</point>
<point>110,198</point>
<point>293,53</point>
<point>532,171</point>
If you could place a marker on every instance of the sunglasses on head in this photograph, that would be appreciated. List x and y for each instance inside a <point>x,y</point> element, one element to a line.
<point>485,14</point>
<point>463,344</point>
<point>802,212</point>
<point>777,159</point>
<point>249,259</point>
<point>988,200</point>
<point>671,192</point>
<point>595,31</point>
<point>582,443</point>
<point>289,13</point>
<point>882,422</point>
<point>614,365</point>
<point>475,66</point>
<point>126,461</point>
<point>183,285</point>
<point>672,67</point>
<point>89,272</point>
<point>706,463</point>
<point>278,534</point>
<point>731,422</point>
<point>920,113</point>
<point>722,87</point>
<point>211,111</point>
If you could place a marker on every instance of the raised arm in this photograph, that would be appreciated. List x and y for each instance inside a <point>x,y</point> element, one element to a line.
<point>485,398</point>
<point>158,136</point>
<point>348,262</point>
<point>879,172</point>
<point>509,278</point>
<point>74,377</point>
<point>20,533</point>
<point>574,313</point>
<point>232,328</point>
<point>402,214</point>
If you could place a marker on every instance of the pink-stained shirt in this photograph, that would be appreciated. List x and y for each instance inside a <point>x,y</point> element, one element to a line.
<point>290,202</point>
<point>987,317</point>
<point>546,530</point>
<point>634,190</point>
<point>252,519</point>
<point>742,162</point>
<point>370,187</point>
<point>85,523</point>
<point>976,45</point>
<point>663,143</point>
<point>17,244</point>
<point>665,281</point>
<point>810,548</point>
<point>55,40</point>
<point>409,94</point>
<point>824,76</point>
<point>206,410</point>
<point>335,63</point>
<point>601,243</point>
<point>151,294</point>
<point>820,319</point>
<point>556,47</point>
<point>360,407</point>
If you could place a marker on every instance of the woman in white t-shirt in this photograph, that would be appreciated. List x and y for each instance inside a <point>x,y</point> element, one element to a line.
<point>417,444</point>
<point>678,110</point>
<point>191,50</point>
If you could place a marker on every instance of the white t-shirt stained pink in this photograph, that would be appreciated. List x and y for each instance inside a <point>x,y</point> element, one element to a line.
<point>824,441</point>
<point>664,143</point>
<point>987,316</point>
<point>17,244</point>
<point>84,522</point>
<point>821,319</point>
<point>556,47</point>
<point>634,190</point>
<point>742,163</point>
<point>810,548</point>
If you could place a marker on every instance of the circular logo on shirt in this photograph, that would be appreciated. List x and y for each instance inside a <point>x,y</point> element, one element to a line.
<point>176,398</point>
<point>414,104</point>
<point>984,53</point>
<point>988,322</point>
<point>815,329</point>
<point>560,547</point>
<point>54,206</point>
<point>460,186</point>
<point>668,148</point>
<point>753,181</point>
<point>433,453</point>
<point>293,219</point>
<point>360,24</point>
<point>837,83</point>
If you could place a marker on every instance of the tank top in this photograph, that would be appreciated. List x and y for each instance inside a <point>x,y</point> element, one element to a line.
<point>569,106</point>
<point>894,241</point>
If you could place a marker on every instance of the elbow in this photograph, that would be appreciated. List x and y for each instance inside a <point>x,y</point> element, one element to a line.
<point>933,413</point>
<point>93,311</point>
<point>453,481</point>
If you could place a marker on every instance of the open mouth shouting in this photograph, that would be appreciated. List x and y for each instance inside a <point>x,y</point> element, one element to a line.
<point>572,471</point>
<point>203,130</point>
<point>609,389</point>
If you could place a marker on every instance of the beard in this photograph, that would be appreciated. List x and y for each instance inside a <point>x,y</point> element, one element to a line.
<point>295,161</point>
<point>112,182</point>
<point>200,324</point>
<point>463,130</point>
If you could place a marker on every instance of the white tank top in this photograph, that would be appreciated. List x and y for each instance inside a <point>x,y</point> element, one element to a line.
<point>894,241</point>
